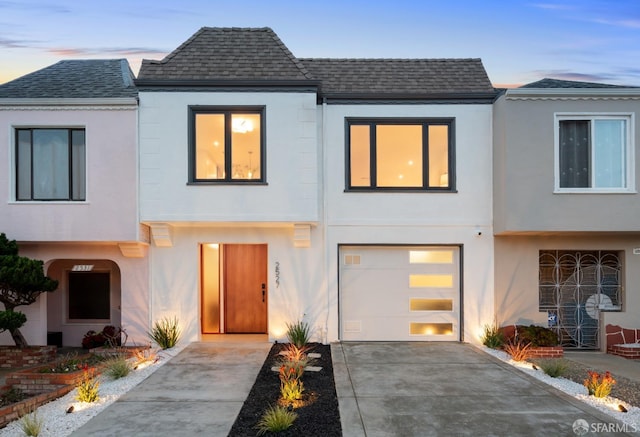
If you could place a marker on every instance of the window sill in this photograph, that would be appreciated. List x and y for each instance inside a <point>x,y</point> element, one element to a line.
<point>593,191</point>
<point>226,183</point>
<point>48,202</point>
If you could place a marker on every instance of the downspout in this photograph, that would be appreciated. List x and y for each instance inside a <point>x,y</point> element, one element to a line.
<point>323,195</point>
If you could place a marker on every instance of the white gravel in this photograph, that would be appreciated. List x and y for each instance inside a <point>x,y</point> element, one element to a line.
<point>608,405</point>
<point>56,422</point>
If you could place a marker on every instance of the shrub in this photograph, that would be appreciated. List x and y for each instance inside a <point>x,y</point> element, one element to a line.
<point>110,336</point>
<point>599,385</point>
<point>553,367</point>
<point>31,424</point>
<point>12,396</point>
<point>298,333</point>
<point>538,336</point>
<point>117,367</point>
<point>296,354</point>
<point>11,320</point>
<point>275,419</point>
<point>88,387</point>
<point>291,386</point>
<point>492,336</point>
<point>165,332</point>
<point>519,350</point>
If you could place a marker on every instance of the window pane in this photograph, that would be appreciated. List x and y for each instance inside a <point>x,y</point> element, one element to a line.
<point>575,152</point>
<point>430,257</point>
<point>89,295</point>
<point>438,156</point>
<point>24,165</point>
<point>360,155</point>
<point>399,156</point>
<point>50,164</point>
<point>78,172</point>
<point>209,146</point>
<point>431,305</point>
<point>430,281</point>
<point>609,153</point>
<point>245,146</point>
<point>431,329</point>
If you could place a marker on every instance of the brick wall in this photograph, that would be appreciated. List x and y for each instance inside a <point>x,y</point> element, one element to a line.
<point>14,357</point>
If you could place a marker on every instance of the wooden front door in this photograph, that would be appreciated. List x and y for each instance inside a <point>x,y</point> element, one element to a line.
<point>245,285</point>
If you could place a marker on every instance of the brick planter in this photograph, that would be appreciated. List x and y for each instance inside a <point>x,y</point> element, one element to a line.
<point>546,352</point>
<point>15,411</point>
<point>33,380</point>
<point>631,351</point>
<point>15,357</point>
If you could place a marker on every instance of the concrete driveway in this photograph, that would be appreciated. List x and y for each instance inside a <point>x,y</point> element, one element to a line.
<point>446,389</point>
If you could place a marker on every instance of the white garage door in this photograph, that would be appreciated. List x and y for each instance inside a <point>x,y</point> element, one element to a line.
<point>406,293</point>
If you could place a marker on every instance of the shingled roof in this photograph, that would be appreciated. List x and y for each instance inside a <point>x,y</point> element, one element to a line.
<point>557,83</point>
<point>400,76</point>
<point>227,53</point>
<point>214,56</point>
<point>91,78</point>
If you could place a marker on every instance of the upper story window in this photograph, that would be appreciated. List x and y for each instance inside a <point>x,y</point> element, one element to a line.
<point>594,153</point>
<point>400,154</point>
<point>50,164</point>
<point>226,144</point>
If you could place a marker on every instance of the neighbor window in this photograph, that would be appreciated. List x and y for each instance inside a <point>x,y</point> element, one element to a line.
<point>400,154</point>
<point>50,164</point>
<point>226,144</point>
<point>593,153</point>
<point>89,296</point>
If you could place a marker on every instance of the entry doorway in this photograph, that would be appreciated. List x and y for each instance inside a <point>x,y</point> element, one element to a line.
<point>234,294</point>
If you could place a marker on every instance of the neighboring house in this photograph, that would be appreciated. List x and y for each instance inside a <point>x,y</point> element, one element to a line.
<point>70,193</point>
<point>566,208</point>
<point>355,194</point>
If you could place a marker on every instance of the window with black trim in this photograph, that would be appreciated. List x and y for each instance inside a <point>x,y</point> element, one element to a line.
<point>50,164</point>
<point>400,154</point>
<point>227,144</point>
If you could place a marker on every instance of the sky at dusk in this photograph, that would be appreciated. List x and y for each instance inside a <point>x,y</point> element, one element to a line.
<point>518,41</point>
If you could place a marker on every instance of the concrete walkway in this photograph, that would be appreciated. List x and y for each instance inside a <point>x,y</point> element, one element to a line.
<point>446,389</point>
<point>199,392</point>
<point>384,389</point>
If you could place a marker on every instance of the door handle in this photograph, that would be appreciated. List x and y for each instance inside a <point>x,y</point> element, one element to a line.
<point>263,293</point>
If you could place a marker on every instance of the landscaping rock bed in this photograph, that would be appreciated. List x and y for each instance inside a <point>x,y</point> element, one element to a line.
<point>320,417</point>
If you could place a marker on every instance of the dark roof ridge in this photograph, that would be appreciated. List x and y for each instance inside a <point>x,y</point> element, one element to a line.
<point>390,59</point>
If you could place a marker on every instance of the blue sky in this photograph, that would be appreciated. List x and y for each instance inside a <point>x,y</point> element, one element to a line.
<point>518,41</point>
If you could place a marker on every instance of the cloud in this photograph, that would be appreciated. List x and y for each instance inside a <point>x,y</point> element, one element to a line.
<point>9,43</point>
<point>631,24</point>
<point>39,7</point>
<point>111,51</point>
<point>553,6</point>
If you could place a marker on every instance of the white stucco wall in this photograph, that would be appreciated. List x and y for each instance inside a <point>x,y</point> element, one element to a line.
<point>110,211</point>
<point>291,192</point>
<point>425,218</point>
<point>301,292</point>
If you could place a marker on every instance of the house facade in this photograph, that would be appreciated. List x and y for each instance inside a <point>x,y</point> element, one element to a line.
<point>375,199</point>
<point>333,191</point>
<point>69,197</point>
<point>567,236</point>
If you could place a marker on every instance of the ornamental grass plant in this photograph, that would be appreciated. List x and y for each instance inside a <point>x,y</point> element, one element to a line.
<point>275,419</point>
<point>165,332</point>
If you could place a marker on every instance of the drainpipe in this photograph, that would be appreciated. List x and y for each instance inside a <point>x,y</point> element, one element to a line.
<point>323,203</point>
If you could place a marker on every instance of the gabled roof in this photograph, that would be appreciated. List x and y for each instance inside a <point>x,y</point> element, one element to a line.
<point>400,76</point>
<point>82,79</point>
<point>557,83</point>
<point>218,53</point>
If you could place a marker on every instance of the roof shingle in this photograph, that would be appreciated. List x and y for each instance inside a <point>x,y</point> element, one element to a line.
<point>227,53</point>
<point>90,78</point>
<point>557,83</point>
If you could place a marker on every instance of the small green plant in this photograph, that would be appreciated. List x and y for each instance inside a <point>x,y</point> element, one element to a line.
<point>554,367</point>
<point>599,385</point>
<point>117,367</point>
<point>519,350</point>
<point>298,333</point>
<point>291,386</point>
<point>538,336</point>
<point>88,387</point>
<point>166,332</point>
<point>492,336</point>
<point>275,419</point>
<point>12,396</point>
<point>31,424</point>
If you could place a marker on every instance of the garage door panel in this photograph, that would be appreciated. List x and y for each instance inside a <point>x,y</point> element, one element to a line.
<point>400,293</point>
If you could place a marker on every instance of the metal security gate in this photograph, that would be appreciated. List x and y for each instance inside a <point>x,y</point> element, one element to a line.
<point>575,287</point>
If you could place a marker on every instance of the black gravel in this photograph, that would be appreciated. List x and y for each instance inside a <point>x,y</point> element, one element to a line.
<point>319,418</point>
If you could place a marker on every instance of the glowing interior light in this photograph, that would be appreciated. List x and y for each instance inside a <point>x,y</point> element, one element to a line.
<point>241,125</point>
